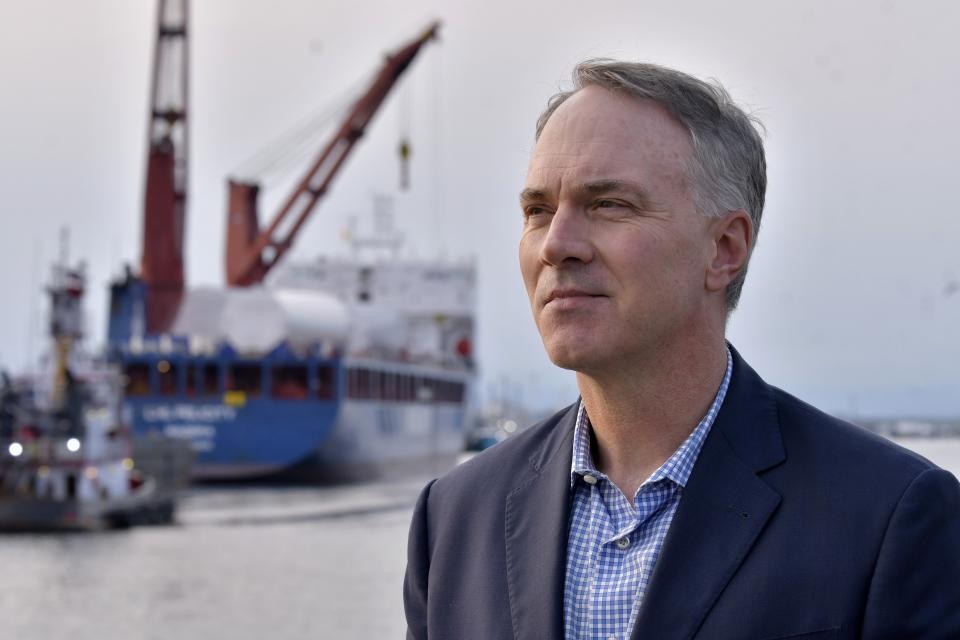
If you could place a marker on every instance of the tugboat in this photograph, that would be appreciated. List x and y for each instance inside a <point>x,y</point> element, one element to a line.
<point>66,452</point>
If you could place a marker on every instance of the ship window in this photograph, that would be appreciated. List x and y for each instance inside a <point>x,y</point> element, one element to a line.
<point>211,379</point>
<point>451,391</point>
<point>203,379</point>
<point>359,384</point>
<point>246,378</point>
<point>388,385</point>
<point>191,383</point>
<point>405,382</point>
<point>368,385</point>
<point>435,390</point>
<point>168,378</point>
<point>364,384</point>
<point>381,384</point>
<point>289,382</point>
<point>138,379</point>
<point>326,383</point>
<point>423,390</point>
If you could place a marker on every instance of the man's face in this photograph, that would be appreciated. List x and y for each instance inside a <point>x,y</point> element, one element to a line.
<point>613,253</point>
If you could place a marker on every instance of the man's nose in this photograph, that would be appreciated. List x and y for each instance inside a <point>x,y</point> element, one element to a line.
<point>568,238</point>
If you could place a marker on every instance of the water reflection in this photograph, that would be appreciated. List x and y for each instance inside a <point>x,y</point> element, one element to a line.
<point>254,563</point>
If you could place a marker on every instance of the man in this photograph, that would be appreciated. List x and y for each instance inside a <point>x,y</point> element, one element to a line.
<point>681,497</point>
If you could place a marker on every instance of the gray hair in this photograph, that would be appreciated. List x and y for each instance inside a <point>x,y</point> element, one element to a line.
<point>729,169</point>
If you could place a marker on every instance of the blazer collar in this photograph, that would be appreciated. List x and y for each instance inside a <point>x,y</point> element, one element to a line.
<point>724,497</point>
<point>536,515</point>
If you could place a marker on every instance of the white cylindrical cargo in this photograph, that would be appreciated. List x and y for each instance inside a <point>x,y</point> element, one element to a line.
<point>255,320</point>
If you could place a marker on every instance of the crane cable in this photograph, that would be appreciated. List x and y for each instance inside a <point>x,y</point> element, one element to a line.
<point>437,128</point>
<point>403,148</point>
<point>290,149</point>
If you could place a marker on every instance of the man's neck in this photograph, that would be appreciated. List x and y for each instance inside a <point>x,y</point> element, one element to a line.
<point>641,414</point>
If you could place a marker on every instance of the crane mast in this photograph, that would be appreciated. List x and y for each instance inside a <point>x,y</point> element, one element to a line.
<point>165,191</point>
<point>252,252</point>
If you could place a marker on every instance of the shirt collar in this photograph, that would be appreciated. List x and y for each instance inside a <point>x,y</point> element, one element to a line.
<point>677,467</point>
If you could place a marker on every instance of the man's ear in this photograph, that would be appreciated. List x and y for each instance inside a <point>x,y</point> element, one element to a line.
<point>732,236</point>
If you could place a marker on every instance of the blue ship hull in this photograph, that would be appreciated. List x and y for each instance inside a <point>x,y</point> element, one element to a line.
<point>337,429</point>
<point>264,436</point>
<point>328,440</point>
<point>314,413</point>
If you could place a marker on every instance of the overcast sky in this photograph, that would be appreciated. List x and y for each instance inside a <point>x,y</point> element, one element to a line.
<point>853,297</point>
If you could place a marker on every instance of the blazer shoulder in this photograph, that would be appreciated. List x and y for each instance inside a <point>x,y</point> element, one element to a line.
<point>808,431</point>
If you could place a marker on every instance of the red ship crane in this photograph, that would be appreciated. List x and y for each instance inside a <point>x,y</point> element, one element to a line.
<point>165,192</point>
<point>250,252</point>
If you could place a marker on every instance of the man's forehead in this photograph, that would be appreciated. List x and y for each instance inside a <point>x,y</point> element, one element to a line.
<point>598,114</point>
<point>600,170</point>
<point>597,135</point>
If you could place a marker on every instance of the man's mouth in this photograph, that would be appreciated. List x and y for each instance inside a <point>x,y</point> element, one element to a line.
<point>569,298</point>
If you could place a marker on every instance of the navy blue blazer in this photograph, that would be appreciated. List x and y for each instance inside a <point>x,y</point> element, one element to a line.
<point>793,525</point>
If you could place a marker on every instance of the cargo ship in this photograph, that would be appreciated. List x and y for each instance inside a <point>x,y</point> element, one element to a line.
<point>333,369</point>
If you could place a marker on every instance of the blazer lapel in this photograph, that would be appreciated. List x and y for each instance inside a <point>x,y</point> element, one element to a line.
<point>536,514</point>
<point>723,509</point>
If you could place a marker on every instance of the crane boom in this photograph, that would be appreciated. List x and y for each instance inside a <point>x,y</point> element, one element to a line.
<point>250,252</point>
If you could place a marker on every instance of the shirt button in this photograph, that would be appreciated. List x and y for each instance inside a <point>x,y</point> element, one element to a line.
<point>623,542</point>
<point>611,637</point>
<point>589,479</point>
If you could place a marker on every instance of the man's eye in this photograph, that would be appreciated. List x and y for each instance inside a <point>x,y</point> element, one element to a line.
<point>531,211</point>
<point>606,204</point>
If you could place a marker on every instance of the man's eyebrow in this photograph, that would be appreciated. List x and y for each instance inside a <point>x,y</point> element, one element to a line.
<point>530,195</point>
<point>593,188</point>
<point>601,187</point>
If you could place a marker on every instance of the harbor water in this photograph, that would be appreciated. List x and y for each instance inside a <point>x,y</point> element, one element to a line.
<point>242,562</point>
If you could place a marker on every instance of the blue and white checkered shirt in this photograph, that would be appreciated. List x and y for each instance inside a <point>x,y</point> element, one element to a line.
<point>613,546</point>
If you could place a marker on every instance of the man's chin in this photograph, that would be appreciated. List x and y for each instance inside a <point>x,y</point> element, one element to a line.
<point>575,357</point>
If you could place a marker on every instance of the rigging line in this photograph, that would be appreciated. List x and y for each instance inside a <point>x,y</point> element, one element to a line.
<point>404,109</point>
<point>296,158</point>
<point>293,158</point>
<point>437,128</point>
<point>280,144</point>
<point>304,128</point>
<point>307,137</point>
<point>405,100</point>
<point>32,308</point>
<point>280,147</point>
<point>160,97</point>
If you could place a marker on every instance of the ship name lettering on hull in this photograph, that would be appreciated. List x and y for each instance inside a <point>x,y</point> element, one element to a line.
<point>189,412</point>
